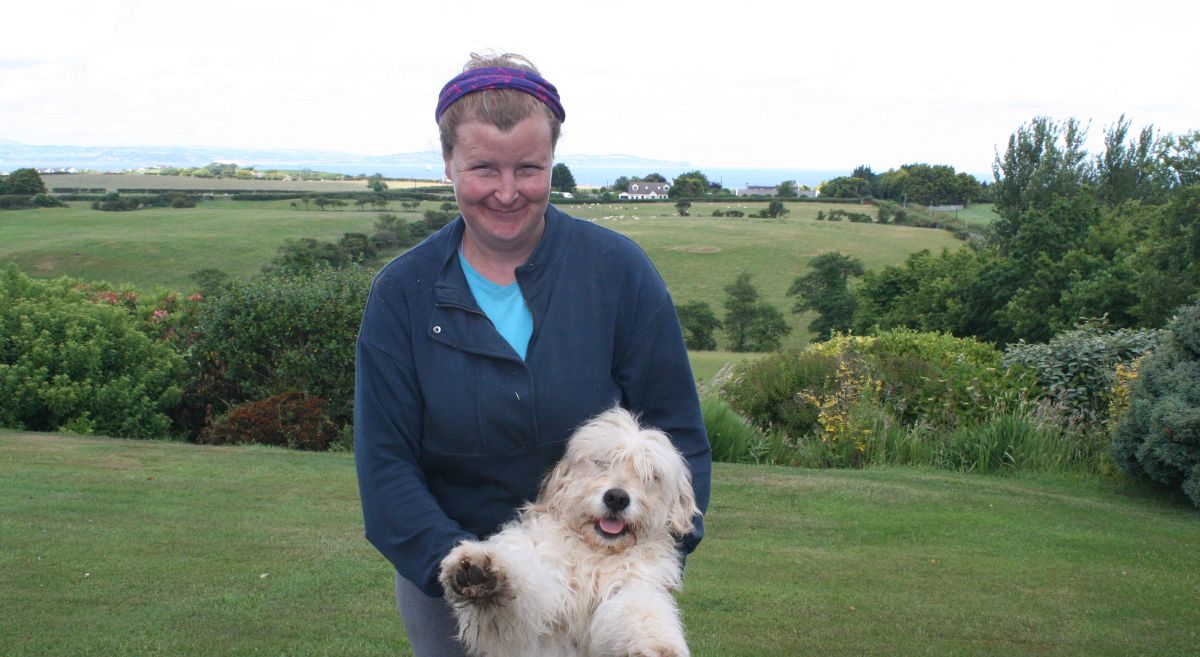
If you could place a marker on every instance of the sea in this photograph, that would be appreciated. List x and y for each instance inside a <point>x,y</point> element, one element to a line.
<point>588,170</point>
<point>601,176</point>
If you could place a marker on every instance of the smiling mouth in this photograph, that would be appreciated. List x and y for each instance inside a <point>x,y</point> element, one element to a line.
<point>611,527</point>
<point>507,212</point>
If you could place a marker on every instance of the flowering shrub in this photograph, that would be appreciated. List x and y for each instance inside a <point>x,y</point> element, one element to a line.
<point>852,400</point>
<point>162,315</point>
<point>936,378</point>
<point>70,362</point>
<point>840,428</point>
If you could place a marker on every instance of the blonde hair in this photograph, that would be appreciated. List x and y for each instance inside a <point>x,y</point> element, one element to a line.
<point>502,108</point>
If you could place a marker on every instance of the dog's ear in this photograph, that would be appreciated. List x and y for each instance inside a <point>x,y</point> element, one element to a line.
<point>554,485</point>
<point>683,509</point>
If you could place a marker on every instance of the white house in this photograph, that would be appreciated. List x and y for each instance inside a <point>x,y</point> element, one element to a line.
<point>645,190</point>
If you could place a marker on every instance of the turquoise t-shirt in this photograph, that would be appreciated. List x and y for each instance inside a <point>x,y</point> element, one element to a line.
<point>504,305</point>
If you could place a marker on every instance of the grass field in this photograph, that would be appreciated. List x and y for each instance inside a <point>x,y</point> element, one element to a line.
<point>113,547</point>
<point>697,255</point>
<point>113,182</point>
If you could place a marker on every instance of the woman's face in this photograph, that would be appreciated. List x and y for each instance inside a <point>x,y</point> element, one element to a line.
<point>502,184</point>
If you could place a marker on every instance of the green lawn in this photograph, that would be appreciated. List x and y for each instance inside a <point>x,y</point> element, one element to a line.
<point>114,547</point>
<point>697,255</point>
<point>705,364</point>
<point>163,246</point>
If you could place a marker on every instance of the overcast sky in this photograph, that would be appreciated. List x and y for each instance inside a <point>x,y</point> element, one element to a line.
<point>747,83</point>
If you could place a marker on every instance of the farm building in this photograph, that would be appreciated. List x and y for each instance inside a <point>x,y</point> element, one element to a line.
<point>755,190</point>
<point>770,190</point>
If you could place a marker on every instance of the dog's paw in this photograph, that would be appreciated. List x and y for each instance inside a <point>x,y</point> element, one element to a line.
<point>660,651</point>
<point>472,577</point>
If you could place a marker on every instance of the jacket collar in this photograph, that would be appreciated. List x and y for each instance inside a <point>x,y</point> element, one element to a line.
<point>535,276</point>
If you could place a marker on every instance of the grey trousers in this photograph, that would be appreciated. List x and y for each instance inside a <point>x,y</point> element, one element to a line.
<point>429,622</point>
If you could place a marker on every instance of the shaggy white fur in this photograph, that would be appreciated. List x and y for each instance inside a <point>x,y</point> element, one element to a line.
<point>588,568</point>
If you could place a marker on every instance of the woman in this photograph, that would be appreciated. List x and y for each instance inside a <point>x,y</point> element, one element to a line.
<point>485,346</point>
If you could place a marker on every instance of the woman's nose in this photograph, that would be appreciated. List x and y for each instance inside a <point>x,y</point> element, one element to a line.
<point>506,192</point>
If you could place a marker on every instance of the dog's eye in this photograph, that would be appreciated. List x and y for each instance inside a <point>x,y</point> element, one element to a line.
<point>601,463</point>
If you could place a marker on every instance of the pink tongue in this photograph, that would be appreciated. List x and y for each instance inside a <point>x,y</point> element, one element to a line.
<point>609,526</point>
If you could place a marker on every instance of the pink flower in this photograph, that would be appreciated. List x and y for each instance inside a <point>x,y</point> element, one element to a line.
<point>160,315</point>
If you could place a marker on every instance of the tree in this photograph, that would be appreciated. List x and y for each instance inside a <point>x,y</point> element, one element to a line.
<point>621,184</point>
<point>926,184</point>
<point>752,325</point>
<point>1168,260</point>
<point>375,183</point>
<point>845,187</point>
<point>1043,159</point>
<point>698,322</point>
<point>1181,157</point>
<point>786,189</point>
<point>682,207</point>
<point>305,255</point>
<point>23,181</point>
<point>969,188</point>
<point>826,290</point>
<point>1130,171</point>
<point>356,247</point>
<point>654,177</point>
<point>692,183</point>
<point>561,179</point>
<point>864,172</point>
<point>774,210</point>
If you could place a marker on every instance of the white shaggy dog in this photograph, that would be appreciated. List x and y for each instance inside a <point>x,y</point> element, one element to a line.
<point>588,568</point>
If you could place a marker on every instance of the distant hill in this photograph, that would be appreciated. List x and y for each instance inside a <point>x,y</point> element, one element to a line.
<point>14,155</point>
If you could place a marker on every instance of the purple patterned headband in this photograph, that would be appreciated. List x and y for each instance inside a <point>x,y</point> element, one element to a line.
<point>497,77</point>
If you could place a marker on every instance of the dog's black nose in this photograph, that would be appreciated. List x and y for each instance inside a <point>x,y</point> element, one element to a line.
<point>616,499</point>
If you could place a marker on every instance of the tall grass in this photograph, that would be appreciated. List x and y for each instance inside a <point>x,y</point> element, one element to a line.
<point>1029,439</point>
<point>730,435</point>
<point>1033,437</point>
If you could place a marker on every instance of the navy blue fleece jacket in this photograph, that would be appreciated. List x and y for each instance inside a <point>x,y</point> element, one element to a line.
<point>453,431</point>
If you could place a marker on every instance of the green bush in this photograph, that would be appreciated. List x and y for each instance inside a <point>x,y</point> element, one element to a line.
<point>1078,368</point>
<point>936,378</point>
<point>1159,437</point>
<point>15,201</point>
<point>901,397</point>
<point>733,439</point>
<point>278,333</point>
<point>764,390</point>
<point>74,363</point>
